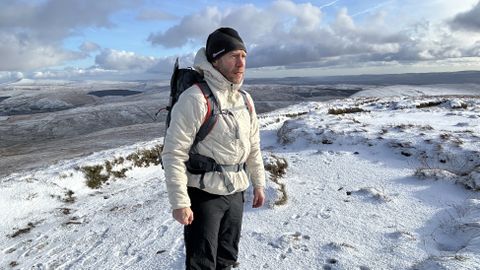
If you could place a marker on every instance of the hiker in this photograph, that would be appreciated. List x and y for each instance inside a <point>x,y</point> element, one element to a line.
<point>209,200</point>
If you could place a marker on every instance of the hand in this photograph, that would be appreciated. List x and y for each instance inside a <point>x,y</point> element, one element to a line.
<point>183,215</point>
<point>258,197</point>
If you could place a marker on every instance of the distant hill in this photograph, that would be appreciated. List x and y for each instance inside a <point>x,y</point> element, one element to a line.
<point>384,79</point>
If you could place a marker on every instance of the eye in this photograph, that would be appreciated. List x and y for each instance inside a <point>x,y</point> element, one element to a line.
<point>240,56</point>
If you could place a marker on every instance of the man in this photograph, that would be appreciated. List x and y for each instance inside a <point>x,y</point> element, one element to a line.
<point>210,204</point>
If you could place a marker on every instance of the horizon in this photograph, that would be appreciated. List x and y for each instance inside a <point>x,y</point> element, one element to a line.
<point>413,78</point>
<point>83,40</point>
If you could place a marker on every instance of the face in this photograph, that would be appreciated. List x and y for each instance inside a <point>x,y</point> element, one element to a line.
<point>232,65</point>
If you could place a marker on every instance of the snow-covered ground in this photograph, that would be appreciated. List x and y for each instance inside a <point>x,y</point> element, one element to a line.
<point>44,121</point>
<point>373,182</point>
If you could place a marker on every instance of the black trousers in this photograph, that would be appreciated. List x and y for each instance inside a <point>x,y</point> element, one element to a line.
<point>211,241</point>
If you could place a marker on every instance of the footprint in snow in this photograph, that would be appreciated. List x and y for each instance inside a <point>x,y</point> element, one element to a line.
<point>371,194</point>
<point>334,246</point>
<point>331,263</point>
<point>123,250</point>
<point>290,243</point>
<point>325,213</point>
<point>163,230</point>
<point>177,246</point>
<point>133,260</point>
<point>258,236</point>
<point>401,235</point>
<point>316,191</point>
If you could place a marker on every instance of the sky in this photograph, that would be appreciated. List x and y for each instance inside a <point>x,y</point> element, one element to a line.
<point>120,39</point>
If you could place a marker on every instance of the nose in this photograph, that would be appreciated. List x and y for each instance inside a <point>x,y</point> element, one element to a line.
<point>240,62</point>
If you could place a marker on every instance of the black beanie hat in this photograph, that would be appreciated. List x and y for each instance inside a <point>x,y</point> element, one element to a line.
<point>222,41</point>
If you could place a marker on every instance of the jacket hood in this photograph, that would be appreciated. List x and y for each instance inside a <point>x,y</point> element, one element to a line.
<point>213,77</point>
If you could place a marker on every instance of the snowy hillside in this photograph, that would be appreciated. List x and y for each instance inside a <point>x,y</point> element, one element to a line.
<point>45,121</point>
<point>367,182</point>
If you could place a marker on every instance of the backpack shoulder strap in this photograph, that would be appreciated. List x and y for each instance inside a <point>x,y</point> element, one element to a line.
<point>247,101</point>
<point>212,112</point>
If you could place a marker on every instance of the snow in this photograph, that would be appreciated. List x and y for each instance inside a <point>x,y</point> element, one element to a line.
<point>393,184</point>
<point>421,90</point>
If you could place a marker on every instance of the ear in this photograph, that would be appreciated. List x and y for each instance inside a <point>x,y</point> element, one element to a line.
<point>215,63</point>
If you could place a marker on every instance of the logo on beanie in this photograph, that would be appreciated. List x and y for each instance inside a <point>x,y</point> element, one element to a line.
<point>217,53</point>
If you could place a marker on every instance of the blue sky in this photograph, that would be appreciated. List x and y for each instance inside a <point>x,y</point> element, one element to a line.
<point>141,38</point>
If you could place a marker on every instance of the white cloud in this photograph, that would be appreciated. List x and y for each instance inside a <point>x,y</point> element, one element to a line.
<point>123,60</point>
<point>281,33</point>
<point>343,22</point>
<point>192,27</point>
<point>18,53</point>
<point>165,65</point>
<point>291,34</point>
<point>118,65</point>
<point>72,73</point>
<point>7,76</point>
<point>110,59</point>
<point>55,19</point>
<point>32,32</point>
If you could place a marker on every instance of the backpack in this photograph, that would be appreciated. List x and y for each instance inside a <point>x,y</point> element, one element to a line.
<point>181,80</point>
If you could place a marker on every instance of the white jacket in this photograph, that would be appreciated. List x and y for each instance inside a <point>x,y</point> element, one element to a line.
<point>234,139</point>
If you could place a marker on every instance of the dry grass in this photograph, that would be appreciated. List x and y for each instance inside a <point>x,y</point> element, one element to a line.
<point>146,157</point>
<point>294,115</point>
<point>97,175</point>
<point>278,168</point>
<point>69,198</point>
<point>337,111</point>
<point>24,230</point>
<point>428,104</point>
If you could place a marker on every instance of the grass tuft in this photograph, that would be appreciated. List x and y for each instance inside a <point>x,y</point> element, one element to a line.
<point>278,168</point>
<point>21,231</point>
<point>69,198</point>
<point>337,111</point>
<point>146,157</point>
<point>94,175</point>
<point>428,104</point>
<point>294,115</point>
<point>97,175</point>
